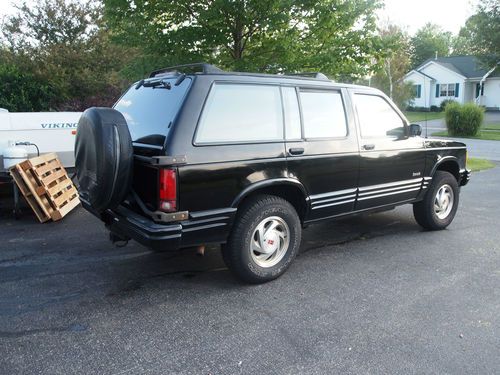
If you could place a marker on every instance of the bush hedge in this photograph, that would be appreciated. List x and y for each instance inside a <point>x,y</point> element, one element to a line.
<point>445,102</point>
<point>463,120</point>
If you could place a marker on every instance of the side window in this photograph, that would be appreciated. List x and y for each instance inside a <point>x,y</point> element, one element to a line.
<point>241,113</point>
<point>292,113</point>
<point>323,113</point>
<point>377,118</point>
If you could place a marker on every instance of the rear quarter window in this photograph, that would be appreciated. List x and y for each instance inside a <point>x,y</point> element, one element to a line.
<point>241,113</point>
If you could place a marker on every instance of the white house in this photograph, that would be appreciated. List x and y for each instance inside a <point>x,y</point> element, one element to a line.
<point>460,78</point>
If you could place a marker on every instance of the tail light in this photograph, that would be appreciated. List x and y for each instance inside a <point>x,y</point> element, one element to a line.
<point>168,190</point>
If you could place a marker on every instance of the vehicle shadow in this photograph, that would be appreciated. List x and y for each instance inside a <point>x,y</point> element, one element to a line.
<point>72,261</point>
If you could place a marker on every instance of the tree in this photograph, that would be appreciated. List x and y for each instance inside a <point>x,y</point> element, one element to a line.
<point>394,65</point>
<point>66,44</point>
<point>22,91</point>
<point>335,36</point>
<point>480,36</point>
<point>428,41</point>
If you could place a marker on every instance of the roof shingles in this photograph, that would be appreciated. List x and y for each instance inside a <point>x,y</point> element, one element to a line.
<point>468,66</point>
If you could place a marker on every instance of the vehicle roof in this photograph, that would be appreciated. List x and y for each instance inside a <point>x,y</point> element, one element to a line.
<point>205,69</point>
<point>275,78</point>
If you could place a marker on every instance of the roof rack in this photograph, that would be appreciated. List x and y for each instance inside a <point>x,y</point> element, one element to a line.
<point>203,67</point>
<point>317,75</point>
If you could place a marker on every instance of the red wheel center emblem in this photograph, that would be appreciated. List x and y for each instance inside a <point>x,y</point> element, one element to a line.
<point>270,242</point>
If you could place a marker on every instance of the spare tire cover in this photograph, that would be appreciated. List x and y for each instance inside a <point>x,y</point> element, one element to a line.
<point>103,158</point>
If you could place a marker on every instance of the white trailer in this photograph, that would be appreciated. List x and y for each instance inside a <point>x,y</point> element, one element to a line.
<point>49,131</point>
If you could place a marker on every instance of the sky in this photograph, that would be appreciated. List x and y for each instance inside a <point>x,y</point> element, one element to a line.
<point>412,14</point>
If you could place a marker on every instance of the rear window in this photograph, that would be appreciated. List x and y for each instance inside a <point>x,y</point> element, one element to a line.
<point>149,111</point>
<point>241,113</point>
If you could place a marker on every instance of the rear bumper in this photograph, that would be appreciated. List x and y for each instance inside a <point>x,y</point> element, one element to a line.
<point>127,224</point>
<point>465,176</point>
<point>202,228</point>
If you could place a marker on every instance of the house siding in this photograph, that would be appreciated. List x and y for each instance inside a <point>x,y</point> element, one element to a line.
<point>441,75</point>
<point>491,97</point>
<point>425,82</point>
<point>444,76</point>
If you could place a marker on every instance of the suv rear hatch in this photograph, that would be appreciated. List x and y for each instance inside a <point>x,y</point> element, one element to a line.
<point>150,108</point>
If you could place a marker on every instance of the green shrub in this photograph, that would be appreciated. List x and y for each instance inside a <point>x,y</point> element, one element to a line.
<point>463,120</point>
<point>445,102</point>
<point>452,118</point>
<point>472,117</point>
<point>435,108</point>
<point>24,92</point>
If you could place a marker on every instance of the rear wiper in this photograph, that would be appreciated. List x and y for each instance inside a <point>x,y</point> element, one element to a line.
<point>162,83</point>
<point>180,79</point>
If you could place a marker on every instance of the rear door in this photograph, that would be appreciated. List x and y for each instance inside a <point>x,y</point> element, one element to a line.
<point>322,149</point>
<point>238,142</point>
<point>391,163</point>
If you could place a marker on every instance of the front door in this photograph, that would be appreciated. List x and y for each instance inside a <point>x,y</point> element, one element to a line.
<point>322,148</point>
<point>391,162</point>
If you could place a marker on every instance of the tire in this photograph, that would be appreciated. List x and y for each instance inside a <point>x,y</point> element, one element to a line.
<point>281,244</point>
<point>437,217</point>
<point>103,158</point>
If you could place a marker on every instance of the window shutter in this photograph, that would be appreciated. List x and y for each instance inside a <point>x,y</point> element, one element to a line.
<point>457,86</point>
<point>437,90</point>
<point>419,91</point>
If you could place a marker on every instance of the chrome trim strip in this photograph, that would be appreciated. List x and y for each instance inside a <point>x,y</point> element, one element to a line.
<point>333,193</point>
<point>219,211</point>
<point>397,183</point>
<point>444,148</point>
<point>386,194</point>
<point>333,204</point>
<point>427,178</point>
<point>204,221</point>
<point>333,199</point>
<point>203,227</point>
<point>390,189</point>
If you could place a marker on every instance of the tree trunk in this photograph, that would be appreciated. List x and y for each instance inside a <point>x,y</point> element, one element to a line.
<point>389,76</point>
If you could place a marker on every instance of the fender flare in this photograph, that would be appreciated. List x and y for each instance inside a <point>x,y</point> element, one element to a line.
<point>268,183</point>
<point>443,160</point>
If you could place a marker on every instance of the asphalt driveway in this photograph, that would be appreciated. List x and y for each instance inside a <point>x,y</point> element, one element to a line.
<point>372,294</point>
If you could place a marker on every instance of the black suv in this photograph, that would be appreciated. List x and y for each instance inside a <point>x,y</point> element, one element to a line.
<point>194,155</point>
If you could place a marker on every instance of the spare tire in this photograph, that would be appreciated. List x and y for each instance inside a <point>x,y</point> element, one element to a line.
<point>103,158</point>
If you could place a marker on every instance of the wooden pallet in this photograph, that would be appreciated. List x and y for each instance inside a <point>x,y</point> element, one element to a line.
<point>44,183</point>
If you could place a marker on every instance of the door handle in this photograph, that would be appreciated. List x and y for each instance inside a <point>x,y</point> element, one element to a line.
<point>370,146</point>
<point>296,150</point>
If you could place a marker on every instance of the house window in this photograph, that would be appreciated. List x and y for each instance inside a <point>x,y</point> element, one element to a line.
<point>418,91</point>
<point>447,89</point>
<point>451,89</point>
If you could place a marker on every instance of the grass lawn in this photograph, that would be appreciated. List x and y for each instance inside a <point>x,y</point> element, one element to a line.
<point>491,127</point>
<point>488,134</point>
<point>479,164</point>
<point>422,116</point>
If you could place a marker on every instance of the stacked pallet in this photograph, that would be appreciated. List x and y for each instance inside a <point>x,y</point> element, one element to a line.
<point>44,183</point>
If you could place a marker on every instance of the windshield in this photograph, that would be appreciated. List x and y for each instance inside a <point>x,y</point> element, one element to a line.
<point>149,111</point>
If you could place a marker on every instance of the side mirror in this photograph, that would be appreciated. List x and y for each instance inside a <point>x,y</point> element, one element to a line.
<point>415,130</point>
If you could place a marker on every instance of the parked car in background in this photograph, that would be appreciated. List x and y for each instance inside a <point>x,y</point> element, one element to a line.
<point>248,160</point>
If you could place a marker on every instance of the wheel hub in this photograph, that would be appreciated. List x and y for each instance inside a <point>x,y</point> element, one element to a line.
<point>443,201</point>
<point>270,241</point>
